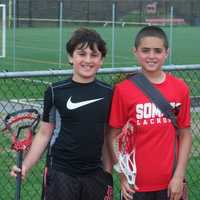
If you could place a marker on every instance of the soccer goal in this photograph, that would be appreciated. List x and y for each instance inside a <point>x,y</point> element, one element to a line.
<point>2,30</point>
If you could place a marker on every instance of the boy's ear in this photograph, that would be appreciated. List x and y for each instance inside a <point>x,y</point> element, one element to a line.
<point>102,60</point>
<point>101,63</point>
<point>167,52</point>
<point>134,50</point>
<point>70,60</point>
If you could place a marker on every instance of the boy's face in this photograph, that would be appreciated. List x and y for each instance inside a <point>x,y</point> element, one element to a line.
<point>85,62</point>
<point>151,54</point>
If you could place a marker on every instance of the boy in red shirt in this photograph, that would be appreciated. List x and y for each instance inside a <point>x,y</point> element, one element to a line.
<point>155,134</point>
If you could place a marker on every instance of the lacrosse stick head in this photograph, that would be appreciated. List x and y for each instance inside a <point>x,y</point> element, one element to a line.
<point>22,124</point>
<point>126,152</point>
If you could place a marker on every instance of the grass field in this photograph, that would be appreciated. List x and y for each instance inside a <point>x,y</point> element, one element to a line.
<point>38,48</point>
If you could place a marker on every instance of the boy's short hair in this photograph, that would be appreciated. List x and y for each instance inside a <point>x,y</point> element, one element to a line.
<point>151,31</point>
<point>86,38</point>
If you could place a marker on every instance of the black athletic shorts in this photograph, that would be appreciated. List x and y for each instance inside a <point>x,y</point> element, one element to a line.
<point>95,186</point>
<point>155,195</point>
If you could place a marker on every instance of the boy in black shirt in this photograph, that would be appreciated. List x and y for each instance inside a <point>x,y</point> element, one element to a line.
<point>74,119</point>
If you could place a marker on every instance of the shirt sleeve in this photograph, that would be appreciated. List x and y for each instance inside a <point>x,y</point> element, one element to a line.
<point>184,115</point>
<point>48,108</point>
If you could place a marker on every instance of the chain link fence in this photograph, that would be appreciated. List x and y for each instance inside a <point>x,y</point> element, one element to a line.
<point>25,90</point>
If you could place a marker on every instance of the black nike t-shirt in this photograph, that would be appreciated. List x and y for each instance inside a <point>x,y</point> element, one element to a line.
<point>80,114</point>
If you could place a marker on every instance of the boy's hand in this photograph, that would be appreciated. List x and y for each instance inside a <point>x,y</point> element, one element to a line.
<point>175,188</point>
<point>15,170</point>
<point>126,190</point>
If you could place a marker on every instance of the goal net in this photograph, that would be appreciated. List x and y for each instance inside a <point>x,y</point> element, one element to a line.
<point>2,30</point>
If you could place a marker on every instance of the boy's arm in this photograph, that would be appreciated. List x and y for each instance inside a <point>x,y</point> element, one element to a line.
<point>109,156</point>
<point>185,144</point>
<point>38,146</point>
<point>176,184</point>
<point>112,160</point>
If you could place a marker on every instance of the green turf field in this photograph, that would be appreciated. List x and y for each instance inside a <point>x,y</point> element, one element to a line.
<point>38,48</point>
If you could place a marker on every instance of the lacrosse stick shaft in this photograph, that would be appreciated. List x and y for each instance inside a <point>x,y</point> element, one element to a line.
<point>18,178</point>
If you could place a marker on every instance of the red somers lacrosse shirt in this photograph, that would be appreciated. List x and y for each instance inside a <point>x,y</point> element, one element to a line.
<point>155,134</point>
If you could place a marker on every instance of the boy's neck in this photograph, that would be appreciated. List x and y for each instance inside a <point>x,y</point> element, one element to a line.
<point>82,80</point>
<point>155,77</point>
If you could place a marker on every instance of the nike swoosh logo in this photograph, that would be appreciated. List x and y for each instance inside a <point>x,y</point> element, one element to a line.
<point>71,106</point>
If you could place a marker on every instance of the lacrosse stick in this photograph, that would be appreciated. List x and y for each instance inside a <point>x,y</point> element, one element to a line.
<point>126,153</point>
<point>22,125</point>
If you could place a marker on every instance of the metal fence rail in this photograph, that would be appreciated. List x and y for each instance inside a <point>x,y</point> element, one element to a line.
<point>25,90</point>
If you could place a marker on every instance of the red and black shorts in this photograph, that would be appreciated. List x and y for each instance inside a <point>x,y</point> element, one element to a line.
<point>94,186</point>
<point>155,195</point>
